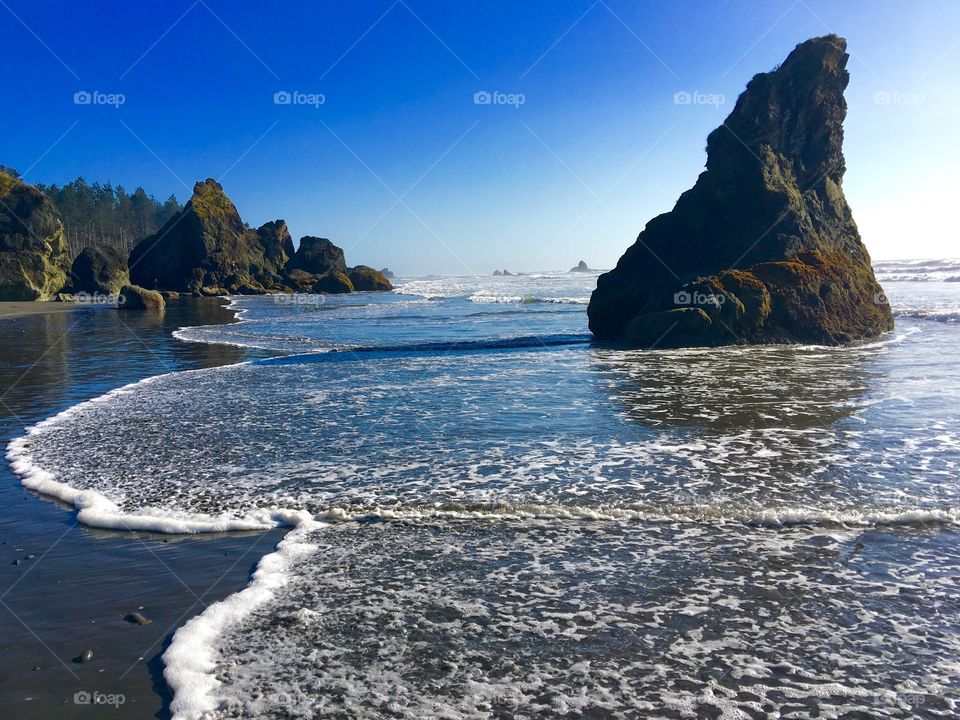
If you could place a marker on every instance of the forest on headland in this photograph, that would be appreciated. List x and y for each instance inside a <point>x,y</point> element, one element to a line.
<point>105,215</point>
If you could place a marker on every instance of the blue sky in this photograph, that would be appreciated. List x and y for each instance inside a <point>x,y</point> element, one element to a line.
<point>400,165</point>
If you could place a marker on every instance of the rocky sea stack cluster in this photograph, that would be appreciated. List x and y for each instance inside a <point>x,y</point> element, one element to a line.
<point>763,248</point>
<point>206,249</point>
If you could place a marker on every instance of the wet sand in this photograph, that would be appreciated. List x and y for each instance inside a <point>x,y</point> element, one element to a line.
<point>21,309</point>
<point>65,589</point>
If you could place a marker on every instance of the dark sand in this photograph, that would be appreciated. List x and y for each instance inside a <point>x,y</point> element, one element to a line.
<point>20,309</point>
<point>76,591</point>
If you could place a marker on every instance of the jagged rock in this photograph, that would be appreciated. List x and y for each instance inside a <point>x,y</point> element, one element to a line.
<point>34,260</point>
<point>497,273</point>
<point>277,245</point>
<point>507,273</point>
<point>100,270</point>
<point>134,297</point>
<point>387,274</point>
<point>207,247</point>
<point>318,256</point>
<point>581,267</point>
<point>333,282</point>
<point>764,247</point>
<point>366,278</point>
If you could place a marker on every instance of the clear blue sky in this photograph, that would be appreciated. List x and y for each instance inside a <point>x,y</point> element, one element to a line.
<point>596,149</point>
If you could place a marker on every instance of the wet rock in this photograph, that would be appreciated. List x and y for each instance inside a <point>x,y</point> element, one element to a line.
<point>137,618</point>
<point>84,657</point>
<point>134,297</point>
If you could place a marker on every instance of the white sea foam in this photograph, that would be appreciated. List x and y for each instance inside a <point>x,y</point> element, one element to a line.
<point>190,661</point>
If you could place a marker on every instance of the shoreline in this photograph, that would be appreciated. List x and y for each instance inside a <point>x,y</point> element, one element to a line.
<point>10,309</point>
<point>69,588</point>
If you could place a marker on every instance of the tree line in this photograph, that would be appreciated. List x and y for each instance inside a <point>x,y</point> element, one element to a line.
<point>103,214</point>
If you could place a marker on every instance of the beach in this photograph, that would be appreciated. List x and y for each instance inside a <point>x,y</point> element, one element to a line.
<point>79,585</point>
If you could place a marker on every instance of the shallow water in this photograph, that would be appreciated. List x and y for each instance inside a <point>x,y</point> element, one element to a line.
<point>495,518</point>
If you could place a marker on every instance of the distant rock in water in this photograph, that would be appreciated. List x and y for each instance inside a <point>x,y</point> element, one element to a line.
<point>318,256</point>
<point>387,274</point>
<point>134,297</point>
<point>763,248</point>
<point>581,267</point>
<point>101,270</point>
<point>206,249</point>
<point>367,279</point>
<point>34,260</point>
<point>497,273</point>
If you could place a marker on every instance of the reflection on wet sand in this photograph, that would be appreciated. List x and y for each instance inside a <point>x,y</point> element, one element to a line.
<point>54,360</point>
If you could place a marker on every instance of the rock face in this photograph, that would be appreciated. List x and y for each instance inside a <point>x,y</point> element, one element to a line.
<point>277,246</point>
<point>134,297</point>
<point>367,279</point>
<point>33,250</point>
<point>100,270</point>
<point>581,267</point>
<point>763,248</point>
<point>206,249</point>
<point>318,256</point>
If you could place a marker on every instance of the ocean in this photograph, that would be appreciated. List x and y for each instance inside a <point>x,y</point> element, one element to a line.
<point>489,516</point>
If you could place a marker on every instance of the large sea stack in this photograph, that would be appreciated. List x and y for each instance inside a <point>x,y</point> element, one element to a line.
<point>34,260</point>
<point>207,250</point>
<point>763,248</point>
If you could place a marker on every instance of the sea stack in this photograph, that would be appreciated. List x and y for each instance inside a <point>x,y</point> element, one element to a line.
<point>34,260</point>
<point>763,248</point>
<point>207,250</point>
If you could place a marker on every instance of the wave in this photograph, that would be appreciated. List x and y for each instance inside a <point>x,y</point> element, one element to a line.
<point>526,342</point>
<point>681,513</point>
<point>937,315</point>
<point>940,270</point>
<point>526,299</point>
